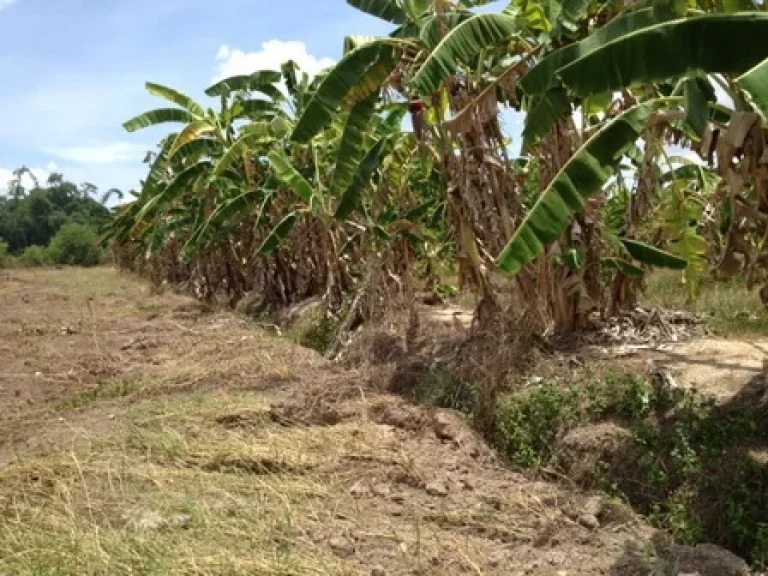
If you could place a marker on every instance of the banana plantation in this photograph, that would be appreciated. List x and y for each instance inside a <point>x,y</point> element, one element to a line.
<point>644,146</point>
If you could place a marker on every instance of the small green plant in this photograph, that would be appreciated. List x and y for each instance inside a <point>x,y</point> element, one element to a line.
<point>527,426</point>
<point>75,245</point>
<point>760,550</point>
<point>443,389</point>
<point>448,290</point>
<point>34,257</point>
<point>4,257</point>
<point>690,472</point>
<point>105,391</point>
<point>320,335</point>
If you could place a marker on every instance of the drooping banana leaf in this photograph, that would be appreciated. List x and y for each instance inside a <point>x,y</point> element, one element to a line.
<point>158,169</point>
<point>573,13</point>
<point>461,46</point>
<point>224,213</point>
<point>388,10</point>
<point>177,187</point>
<point>351,196</point>
<point>433,27</point>
<point>245,142</point>
<point>623,266</point>
<point>696,105</point>
<point>652,256</point>
<point>671,49</point>
<point>255,109</point>
<point>192,131</point>
<point>256,81</point>
<point>369,83</point>
<point>686,172</point>
<point>197,149</point>
<point>158,116</point>
<point>755,83</point>
<point>279,233</point>
<point>287,174</point>
<point>336,86</point>
<point>543,76</point>
<point>176,97</point>
<point>544,113</point>
<point>352,42</point>
<point>582,177</point>
<point>352,145</point>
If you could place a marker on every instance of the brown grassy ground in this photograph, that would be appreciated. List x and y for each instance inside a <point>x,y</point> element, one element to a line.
<point>144,434</point>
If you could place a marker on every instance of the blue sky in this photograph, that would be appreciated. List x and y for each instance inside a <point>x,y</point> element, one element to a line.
<point>74,70</point>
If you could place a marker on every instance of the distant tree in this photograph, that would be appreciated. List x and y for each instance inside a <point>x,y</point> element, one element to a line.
<point>109,193</point>
<point>34,217</point>
<point>55,178</point>
<point>75,245</point>
<point>88,190</point>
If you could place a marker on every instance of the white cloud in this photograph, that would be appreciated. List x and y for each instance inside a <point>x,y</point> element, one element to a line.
<point>6,3</point>
<point>6,176</point>
<point>722,96</point>
<point>234,62</point>
<point>676,153</point>
<point>107,153</point>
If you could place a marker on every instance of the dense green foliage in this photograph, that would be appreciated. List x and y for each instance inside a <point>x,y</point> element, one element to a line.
<point>296,187</point>
<point>682,460</point>
<point>76,245</point>
<point>33,217</point>
<point>316,190</point>
<point>4,257</point>
<point>33,257</point>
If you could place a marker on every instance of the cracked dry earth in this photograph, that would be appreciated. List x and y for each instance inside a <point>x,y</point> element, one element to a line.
<point>143,433</point>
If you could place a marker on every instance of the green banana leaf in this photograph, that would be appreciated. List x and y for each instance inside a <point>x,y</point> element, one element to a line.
<point>287,174</point>
<point>158,116</point>
<point>388,10</point>
<point>573,13</point>
<point>433,27</point>
<point>696,105</point>
<point>202,147</point>
<point>671,49</point>
<point>352,145</point>
<point>250,82</point>
<point>254,109</point>
<point>351,197</point>
<point>235,152</point>
<point>352,42</point>
<point>278,234</point>
<point>652,256</point>
<point>336,86</point>
<point>623,266</point>
<point>686,172</point>
<point>157,171</point>
<point>176,97</point>
<point>177,187</point>
<point>224,213</point>
<point>543,76</point>
<point>192,131</point>
<point>544,113</point>
<point>462,44</point>
<point>583,176</point>
<point>755,83</point>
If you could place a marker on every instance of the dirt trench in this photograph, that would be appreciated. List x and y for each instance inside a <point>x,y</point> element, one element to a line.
<point>144,433</point>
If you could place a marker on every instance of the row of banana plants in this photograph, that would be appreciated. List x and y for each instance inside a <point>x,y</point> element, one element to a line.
<point>300,187</point>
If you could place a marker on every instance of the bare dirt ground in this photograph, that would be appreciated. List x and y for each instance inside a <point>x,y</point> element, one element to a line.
<point>147,434</point>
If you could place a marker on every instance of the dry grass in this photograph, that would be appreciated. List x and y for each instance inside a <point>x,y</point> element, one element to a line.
<point>144,441</point>
<point>174,494</point>
<point>732,310</point>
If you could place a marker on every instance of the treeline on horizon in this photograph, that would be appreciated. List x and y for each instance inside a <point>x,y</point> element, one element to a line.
<point>52,222</point>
